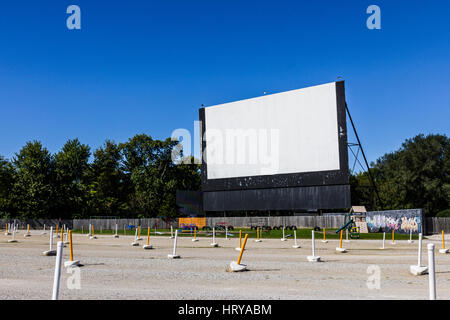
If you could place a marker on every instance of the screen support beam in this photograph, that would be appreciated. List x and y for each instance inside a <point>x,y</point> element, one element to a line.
<point>372,180</point>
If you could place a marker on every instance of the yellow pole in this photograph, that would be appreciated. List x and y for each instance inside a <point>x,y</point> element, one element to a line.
<point>393,237</point>
<point>443,242</point>
<point>93,233</point>
<point>148,236</point>
<point>56,230</point>
<point>28,228</point>
<point>242,249</point>
<point>62,235</point>
<point>340,241</point>
<point>324,234</point>
<point>70,245</point>
<point>240,237</point>
<point>139,231</point>
<point>195,233</point>
<point>6,228</point>
<point>257,233</point>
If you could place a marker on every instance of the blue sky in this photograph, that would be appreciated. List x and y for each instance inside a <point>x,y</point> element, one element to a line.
<point>147,66</point>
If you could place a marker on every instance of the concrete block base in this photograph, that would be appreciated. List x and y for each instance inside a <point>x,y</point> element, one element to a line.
<point>238,249</point>
<point>234,267</point>
<point>69,263</point>
<point>116,236</point>
<point>418,270</point>
<point>172,256</point>
<point>194,240</point>
<point>325,241</point>
<point>134,244</point>
<point>443,250</point>
<point>26,235</point>
<point>410,241</point>
<point>214,245</point>
<point>283,239</point>
<point>7,233</point>
<point>342,250</point>
<point>146,247</point>
<point>258,240</point>
<point>12,241</point>
<point>94,237</point>
<point>49,253</point>
<point>313,258</point>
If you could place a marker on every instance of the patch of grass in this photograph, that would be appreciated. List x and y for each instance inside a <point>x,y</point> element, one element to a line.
<point>302,233</point>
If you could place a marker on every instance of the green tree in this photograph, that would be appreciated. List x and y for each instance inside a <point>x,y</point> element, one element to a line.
<point>6,185</point>
<point>415,176</point>
<point>155,177</point>
<point>71,166</point>
<point>109,187</point>
<point>32,190</point>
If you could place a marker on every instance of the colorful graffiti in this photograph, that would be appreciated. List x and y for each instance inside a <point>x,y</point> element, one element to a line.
<point>403,221</point>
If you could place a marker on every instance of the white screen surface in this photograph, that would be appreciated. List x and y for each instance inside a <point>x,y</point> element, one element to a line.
<point>289,132</point>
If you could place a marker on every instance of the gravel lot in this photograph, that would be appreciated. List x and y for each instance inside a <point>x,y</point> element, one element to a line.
<point>113,269</point>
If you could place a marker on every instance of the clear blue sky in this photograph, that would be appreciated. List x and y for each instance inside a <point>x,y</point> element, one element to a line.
<point>147,66</point>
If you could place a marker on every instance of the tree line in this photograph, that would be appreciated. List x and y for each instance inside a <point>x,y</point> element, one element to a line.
<point>139,179</point>
<point>133,179</point>
<point>415,176</point>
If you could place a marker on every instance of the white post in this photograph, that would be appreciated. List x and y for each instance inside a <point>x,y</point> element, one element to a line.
<point>214,235</point>
<point>14,234</point>
<point>431,272</point>
<point>295,240</point>
<point>51,238</point>
<point>171,232</point>
<point>384,238</point>
<point>313,244</point>
<point>90,230</point>
<point>419,255</point>
<point>226,232</point>
<point>116,228</point>
<point>82,230</point>
<point>410,235</point>
<point>313,258</point>
<point>57,275</point>
<point>175,243</point>
<point>284,238</point>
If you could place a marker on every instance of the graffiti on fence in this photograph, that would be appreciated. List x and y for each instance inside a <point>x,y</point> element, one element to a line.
<point>401,221</point>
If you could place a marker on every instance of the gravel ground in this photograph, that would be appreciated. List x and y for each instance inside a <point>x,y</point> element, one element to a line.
<point>113,269</point>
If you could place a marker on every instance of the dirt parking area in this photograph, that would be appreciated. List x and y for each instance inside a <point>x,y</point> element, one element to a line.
<point>113,269</point>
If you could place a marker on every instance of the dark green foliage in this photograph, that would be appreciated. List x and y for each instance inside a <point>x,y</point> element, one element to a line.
<point>415,176</point>
<point>32,191</point>
<point>444,214</point>
<point>136,179</point>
